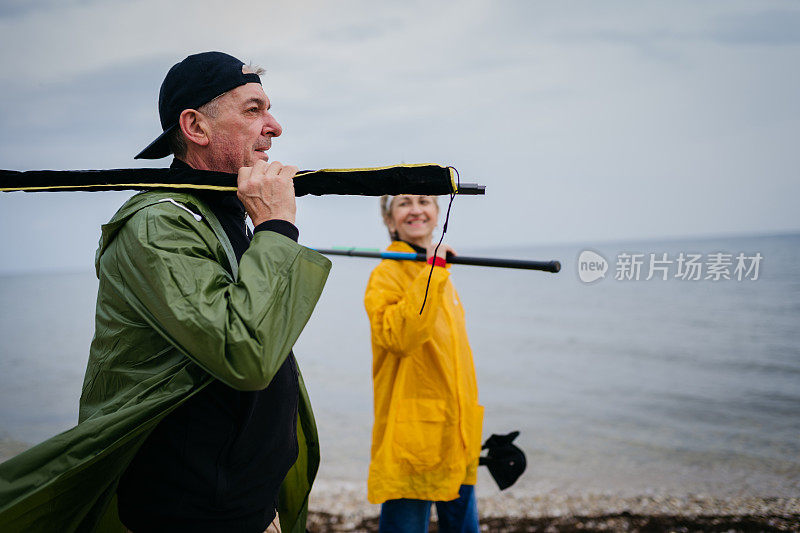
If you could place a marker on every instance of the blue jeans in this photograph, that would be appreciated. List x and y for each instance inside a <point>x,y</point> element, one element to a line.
<point>412,516</point>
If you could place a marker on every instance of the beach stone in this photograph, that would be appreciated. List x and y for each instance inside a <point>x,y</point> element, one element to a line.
<point>342,506</point>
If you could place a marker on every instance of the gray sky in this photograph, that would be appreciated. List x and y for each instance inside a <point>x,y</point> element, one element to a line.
<point>586,121</point>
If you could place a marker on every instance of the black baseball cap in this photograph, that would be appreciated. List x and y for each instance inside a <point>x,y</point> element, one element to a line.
<point>195,81</point>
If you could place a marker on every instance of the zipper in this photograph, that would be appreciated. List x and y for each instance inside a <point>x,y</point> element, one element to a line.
<point>173,202</point>
<point>246,227</point>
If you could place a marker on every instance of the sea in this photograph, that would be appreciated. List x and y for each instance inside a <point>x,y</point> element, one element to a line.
<point>617,384</point>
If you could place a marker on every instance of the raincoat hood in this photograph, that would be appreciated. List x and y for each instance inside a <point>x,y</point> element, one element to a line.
<point>139,201</point>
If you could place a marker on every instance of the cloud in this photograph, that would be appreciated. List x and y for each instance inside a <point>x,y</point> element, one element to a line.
<point>66,122</point>
<point>767,28</point>
<point>12,9</point>
<point>620,109</point>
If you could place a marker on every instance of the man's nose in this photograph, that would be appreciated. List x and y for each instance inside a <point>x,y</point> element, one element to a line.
<point>271,126</point>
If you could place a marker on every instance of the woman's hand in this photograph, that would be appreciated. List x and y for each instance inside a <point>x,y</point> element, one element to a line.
<point>444,250</point>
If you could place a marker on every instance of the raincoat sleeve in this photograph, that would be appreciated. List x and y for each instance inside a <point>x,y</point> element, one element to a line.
<point>238,331</point>
<point>393,308</point>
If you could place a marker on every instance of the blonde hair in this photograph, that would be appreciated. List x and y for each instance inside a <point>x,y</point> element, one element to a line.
<point>386,212</point>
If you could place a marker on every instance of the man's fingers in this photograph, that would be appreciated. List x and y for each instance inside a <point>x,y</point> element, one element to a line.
<point>274,168</point>
<point>267,191</point>
<point>289,171</point>
<point>244,173</point>
<point>248,173</point>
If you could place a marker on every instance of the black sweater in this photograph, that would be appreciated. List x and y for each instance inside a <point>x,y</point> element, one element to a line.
<point>217,462</point>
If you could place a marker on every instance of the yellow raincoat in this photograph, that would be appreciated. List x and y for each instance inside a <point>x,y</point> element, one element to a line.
<point>427,434</point>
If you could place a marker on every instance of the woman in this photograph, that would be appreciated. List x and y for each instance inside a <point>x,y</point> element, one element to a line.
<point>427,434</point>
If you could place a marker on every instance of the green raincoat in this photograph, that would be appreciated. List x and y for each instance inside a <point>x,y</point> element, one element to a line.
<point>174,311</point>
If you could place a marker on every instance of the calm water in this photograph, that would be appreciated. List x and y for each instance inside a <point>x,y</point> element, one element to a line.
<point>618,386</point>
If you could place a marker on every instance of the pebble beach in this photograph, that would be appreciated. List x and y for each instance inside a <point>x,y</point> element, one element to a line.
<point>335,508</point>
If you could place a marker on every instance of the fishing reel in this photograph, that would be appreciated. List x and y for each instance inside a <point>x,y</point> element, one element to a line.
<point>505,461</point>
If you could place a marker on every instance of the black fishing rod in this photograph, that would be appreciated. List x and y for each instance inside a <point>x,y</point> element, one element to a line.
<point>397,179</point>
<point>546,266</point>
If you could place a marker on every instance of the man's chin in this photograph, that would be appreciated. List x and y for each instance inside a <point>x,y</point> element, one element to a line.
<point>260,155</point>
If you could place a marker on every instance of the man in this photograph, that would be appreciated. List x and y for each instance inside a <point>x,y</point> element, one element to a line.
<point>193,413</point>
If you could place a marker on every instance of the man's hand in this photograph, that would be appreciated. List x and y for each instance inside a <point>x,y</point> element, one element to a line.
<point>267,192</point>
<point>444,249</point>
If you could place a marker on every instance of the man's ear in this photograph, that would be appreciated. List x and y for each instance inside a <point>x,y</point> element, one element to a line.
<point>194,126</point>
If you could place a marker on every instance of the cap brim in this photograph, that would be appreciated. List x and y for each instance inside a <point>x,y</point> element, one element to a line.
<point>158,148</point>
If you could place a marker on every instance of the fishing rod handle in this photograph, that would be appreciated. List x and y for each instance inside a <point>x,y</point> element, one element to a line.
<point>545,266</point>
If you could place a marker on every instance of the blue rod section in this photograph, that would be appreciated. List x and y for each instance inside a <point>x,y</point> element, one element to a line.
<point>545,266</point>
